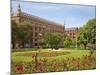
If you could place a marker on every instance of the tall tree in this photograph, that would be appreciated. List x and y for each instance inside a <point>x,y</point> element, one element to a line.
<point>14,32</point>
<point>25,33</point>
<point>87,34</point>
<point>21,34</point>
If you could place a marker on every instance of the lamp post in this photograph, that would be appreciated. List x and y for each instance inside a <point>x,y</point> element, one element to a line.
<point>40,35</point>
<point>36,61</point>
<point>36,55</point>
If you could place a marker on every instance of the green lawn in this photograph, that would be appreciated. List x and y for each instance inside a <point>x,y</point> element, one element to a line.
<point>26,56</point>
<point>52,60</point>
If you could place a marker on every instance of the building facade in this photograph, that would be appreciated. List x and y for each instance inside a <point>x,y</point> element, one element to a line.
<point>72,32</point>
<point>40,25</point>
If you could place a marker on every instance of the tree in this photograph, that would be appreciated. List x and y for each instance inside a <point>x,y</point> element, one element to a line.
<point>25,33</point>
<point>21,34</point>
<point>14,32</point>
<point>87,34</point>
<point>69,42</point>
<point>53,40</point>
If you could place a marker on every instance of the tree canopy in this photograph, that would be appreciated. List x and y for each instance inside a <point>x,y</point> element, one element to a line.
<point>87,34</point>
<point>53,39</point>
<point>21,33</point>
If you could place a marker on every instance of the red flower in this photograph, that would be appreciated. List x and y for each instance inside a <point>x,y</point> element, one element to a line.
<point>19,69</point>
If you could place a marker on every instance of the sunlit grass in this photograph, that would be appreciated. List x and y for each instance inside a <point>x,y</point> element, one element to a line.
<point>26,55</point>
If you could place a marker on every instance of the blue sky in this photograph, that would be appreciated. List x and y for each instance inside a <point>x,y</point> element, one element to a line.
<point>73,15</point>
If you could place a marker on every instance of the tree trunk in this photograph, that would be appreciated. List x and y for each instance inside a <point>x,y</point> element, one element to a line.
<point>23,45</point>
<point>16,45</point>
<point>85,46</point>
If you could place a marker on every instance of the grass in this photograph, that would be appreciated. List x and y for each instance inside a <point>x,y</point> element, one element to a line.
<point>52,60</point>
<point>26,56</point>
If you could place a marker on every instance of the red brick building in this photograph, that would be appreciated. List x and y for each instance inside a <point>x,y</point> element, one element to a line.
<point>72,32</point>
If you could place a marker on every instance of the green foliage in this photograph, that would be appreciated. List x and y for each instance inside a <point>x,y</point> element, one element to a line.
<point>25,32</point>
<point>69,43</point>
<point>53,39</point>
<point>87,34</point>
<point>14,32</point>
<point>21,33</point>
